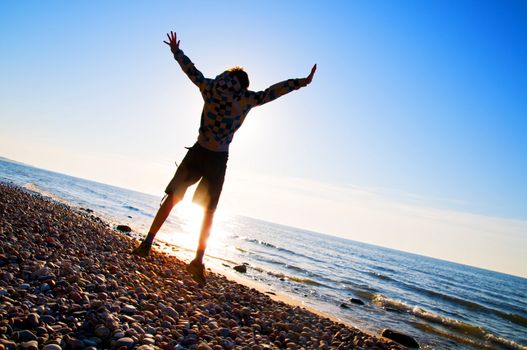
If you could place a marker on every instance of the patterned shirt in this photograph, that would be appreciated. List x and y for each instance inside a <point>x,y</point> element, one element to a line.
<point>227,104</point>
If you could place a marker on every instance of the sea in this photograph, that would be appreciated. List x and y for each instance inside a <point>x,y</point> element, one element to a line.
<point>443,305</point>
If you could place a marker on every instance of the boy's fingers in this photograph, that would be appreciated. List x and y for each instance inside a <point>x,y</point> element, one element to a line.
<point>166,43</point>
<point>169,39</point>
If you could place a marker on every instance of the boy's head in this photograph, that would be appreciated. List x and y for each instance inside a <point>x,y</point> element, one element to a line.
<point>241,75</point>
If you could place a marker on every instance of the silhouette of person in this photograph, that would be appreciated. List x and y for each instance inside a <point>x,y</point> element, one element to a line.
<point>226,104</point>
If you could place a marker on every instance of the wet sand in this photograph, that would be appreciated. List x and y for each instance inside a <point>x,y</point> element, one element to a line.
<point>67,281</point>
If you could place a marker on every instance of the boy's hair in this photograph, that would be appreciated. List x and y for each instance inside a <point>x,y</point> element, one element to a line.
<point>242,76</point>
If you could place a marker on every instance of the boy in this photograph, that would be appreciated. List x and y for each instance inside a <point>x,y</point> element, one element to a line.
<point>227,102</point>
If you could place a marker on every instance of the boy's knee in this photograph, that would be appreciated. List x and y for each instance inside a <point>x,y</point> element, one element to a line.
<point>172,199</point>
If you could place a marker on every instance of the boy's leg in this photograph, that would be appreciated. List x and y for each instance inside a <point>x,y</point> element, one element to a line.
<point>204,234</point>
<point>196,267</point>
<point>164,210</point>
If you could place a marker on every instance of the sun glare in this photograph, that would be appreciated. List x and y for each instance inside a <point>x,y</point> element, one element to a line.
<point>191,216</point>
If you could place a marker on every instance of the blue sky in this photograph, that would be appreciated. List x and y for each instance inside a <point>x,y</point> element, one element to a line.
<point>421,103</point>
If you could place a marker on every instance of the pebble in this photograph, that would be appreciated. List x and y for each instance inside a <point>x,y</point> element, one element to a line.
<point>29,345</point>
<point>224,332</point>
<point>44,287</point>
<point>148,341</point>
<point>171,312</point>
<point>48,319</point>
<point>33,320</point>
<point>150,330</point>
<point>74,343</point>
<point>52,347</point>
<point>9,345</point>
<point>125,341</point>
<point>118,335</point>
<point>145,347</point>
<point>203,346</point>
<point>25,335</point>
<point>129,309</point>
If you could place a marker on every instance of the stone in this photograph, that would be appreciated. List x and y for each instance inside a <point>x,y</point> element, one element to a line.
<point>172,312</point>
<point>29,345</point>
<point>95,340</point>
<point>240,268</point>
<point>344,306</point>
<point>400,338</point>
<point>291,346</point>
<point>48,319</point>
<point>119,335</point>
<point>124,228</point>
<point>356,301</point>
<point>7,344</point>
<point>145,347</point>
<point>224,332</point>
<point>74,343</point>
<point>150,330</point>
<point>129,309</point>
<point>125,341</point>
<point>8,277</point>
<point>33,320</point>
<point>25,335</point>
<point>203,346</point>
<point>52,347</point>
<point>42,274</point>
<point>148,341</point>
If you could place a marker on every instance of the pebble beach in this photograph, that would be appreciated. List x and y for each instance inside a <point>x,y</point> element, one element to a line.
<point>68,281</point>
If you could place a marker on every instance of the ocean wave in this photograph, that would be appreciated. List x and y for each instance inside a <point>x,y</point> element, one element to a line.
<point>129,207</point>
<point>32,187</point>
<point>380,276</point>
<point>304,272</point>
<point>257,241</point>
<point>460,327</point>
<point>284,250</point>
<point>457,339</point>
<point>301,280</point>
<point>470,305</point>
<point>364,294</point>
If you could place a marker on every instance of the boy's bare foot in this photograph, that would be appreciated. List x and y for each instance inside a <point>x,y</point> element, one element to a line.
<point>196,270</point>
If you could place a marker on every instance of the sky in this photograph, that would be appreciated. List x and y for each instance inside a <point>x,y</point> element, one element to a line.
<point>411,136</point>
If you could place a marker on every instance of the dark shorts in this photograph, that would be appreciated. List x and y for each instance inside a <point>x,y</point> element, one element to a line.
<point>207,167</point>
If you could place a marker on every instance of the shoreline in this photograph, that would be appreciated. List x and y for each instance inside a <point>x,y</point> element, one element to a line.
<point>86,291</point>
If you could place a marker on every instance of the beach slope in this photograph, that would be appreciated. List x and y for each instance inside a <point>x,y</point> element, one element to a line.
<point>67,281</point>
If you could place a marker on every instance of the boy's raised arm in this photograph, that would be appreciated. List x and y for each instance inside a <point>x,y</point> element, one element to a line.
<point>186,64</point>
<point>280,89</point>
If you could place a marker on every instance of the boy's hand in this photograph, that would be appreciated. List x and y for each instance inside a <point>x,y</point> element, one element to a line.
<point>172,42</point>
<point>310,76</point>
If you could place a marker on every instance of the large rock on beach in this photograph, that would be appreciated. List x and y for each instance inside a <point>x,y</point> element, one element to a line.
<point>356,301</point>
<point>124,228</point>
<point>68,281</point>
<point>240,268</point>
<point>400,338</point>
